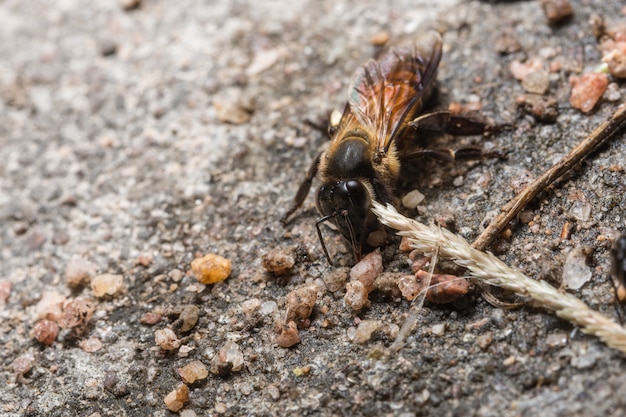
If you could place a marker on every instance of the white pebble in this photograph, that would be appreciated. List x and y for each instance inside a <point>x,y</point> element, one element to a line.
<point>575,271</point>
<point>412,199</point>
<point>438,329</point>
<point>107,284</point>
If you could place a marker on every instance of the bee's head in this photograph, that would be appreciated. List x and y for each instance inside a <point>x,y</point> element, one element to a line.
<point>346,203</point>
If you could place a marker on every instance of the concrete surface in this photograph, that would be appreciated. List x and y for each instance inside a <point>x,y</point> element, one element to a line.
<point>137,140</point>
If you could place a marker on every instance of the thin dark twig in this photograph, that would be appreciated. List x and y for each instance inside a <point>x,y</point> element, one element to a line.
<point>602,133</point>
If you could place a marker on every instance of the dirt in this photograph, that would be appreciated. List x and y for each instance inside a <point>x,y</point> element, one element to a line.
<point>139,139</point>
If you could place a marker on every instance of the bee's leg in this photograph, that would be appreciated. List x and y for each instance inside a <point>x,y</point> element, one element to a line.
<point>329,127</point>
<point>303,191</point>
<point>444,121</point>
<point>462,154</point>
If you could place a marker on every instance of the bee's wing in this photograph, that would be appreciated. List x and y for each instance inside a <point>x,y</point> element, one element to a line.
<point>387,93</point>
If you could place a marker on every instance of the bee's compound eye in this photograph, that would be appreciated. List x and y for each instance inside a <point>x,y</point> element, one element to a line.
<point>353,196</point>
<point>354,187</point>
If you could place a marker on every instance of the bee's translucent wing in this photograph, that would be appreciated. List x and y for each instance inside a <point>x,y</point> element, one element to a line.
<point>387,93</point>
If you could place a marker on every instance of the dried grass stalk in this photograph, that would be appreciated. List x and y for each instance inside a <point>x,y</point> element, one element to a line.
<point>417,308</point>
<point>490,270</point>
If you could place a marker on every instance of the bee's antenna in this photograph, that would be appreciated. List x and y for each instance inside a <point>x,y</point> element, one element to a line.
<point>357,255</point>
<point>321,238</point>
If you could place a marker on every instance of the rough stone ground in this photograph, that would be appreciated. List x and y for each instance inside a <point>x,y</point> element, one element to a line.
<point>115,148</point>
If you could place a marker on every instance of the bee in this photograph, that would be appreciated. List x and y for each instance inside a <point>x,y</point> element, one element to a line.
<point>377,133</point>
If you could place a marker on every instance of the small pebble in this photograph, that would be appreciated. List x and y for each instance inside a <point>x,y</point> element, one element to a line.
<point>377,238</point>
<point>478,324</point>
<point>278,261</point>
<point>228,359</point>
<point>299,304</point>
<point>509,361</point>
<point>522,70</point>
<point>251,306</point>
<point>581,210</point>
<point>22,365</point>
<point>176,275</point>
<point>107,285</point>
<point>380,38</point>
<point>576,272</point>
<point>438,329</point>
<point>368,269</point>
<point>211,268</point>
<point>521,179</point>
<point>150,318</point>
<point>35,240</point>
<point>79,272</point>
<point>423,397</point>
<point>235,113</point>
<point>557,10</point>
<point>273,392</point>
<point>90,345</point>
<point>365,329</point>
<point>614,56</point>
<point>507,43</point>
<point>526,216</point>
<point>484,340</point>
<point>443,288</point>
<point>144,260</point>
<point>107,48</point>
<point>612,92</point>
<point>336,279</point>
<point>405,244</point>
<point>187,319</point>
<point>556,340</point>
<point>166,339</point>
<point>50,305</point>
<point>268,308</point>
<point>193,371</point>
<point>302,371</point>
<point>76,313</point>
<point>413,199</point>
<point>45,331</point>
<point>263,60</point>
<point>130,4</point>
<point>356,296</point>
<point>184,350</point>
<point>536,81</point>
<point>543,108</point>
<point>175,400</point>
<point>387,283</point>
<point>587,90</point>
<point>296,142</point>
<point>409,287</point>
<point>287,336</point>
<point>566,230</point>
